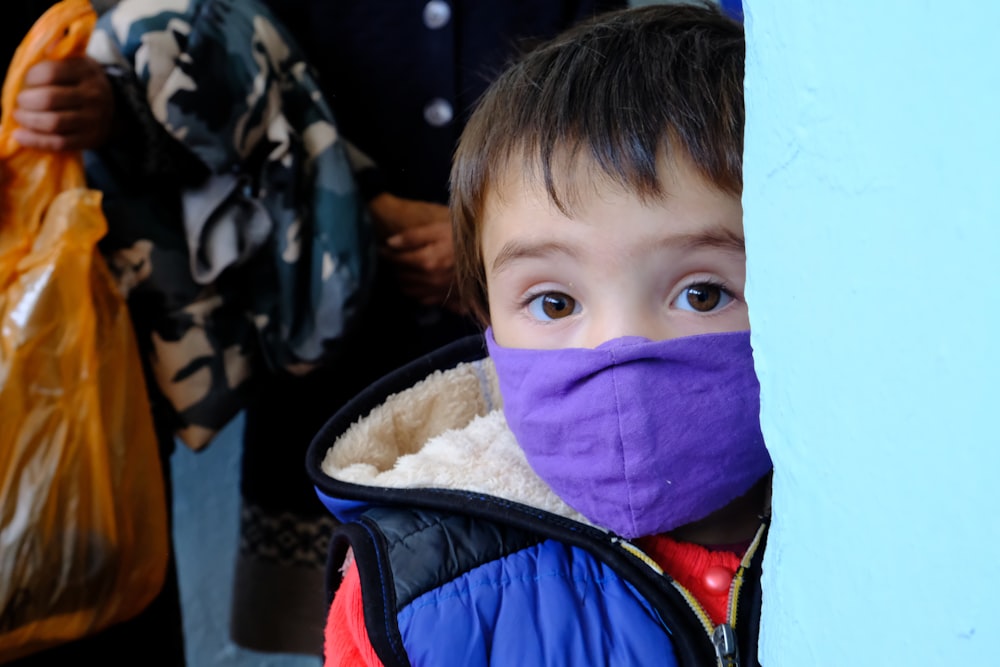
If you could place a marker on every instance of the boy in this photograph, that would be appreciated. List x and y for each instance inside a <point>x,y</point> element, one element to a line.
<point>612,512</point>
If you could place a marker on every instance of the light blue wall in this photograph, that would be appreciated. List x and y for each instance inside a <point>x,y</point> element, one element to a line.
<point>873,229</point>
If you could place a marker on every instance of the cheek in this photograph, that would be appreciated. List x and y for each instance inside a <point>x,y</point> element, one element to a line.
<point>501,334</point>
<point>503,323</point>
<point>510,327</point>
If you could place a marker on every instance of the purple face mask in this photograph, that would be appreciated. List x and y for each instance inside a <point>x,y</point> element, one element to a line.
<point>639,436</point>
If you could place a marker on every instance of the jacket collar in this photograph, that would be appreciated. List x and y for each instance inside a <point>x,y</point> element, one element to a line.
<point>445,432</point>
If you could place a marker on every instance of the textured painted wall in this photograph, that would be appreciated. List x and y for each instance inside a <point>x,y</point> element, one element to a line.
<point>873,228</point>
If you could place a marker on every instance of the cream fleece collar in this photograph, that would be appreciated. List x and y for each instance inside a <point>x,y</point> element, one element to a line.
<point>448,432</point>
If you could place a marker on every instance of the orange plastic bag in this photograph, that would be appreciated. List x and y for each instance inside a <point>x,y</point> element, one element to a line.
<point>83,528</point>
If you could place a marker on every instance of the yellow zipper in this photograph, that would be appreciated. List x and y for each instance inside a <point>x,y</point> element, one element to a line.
<point>723,637</point>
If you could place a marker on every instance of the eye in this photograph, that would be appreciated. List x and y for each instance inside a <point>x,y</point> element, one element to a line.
<point>552,306</point>
<point>703,298</point>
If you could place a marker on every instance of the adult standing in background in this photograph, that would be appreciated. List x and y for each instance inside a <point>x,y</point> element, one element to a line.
<point>402,77</point>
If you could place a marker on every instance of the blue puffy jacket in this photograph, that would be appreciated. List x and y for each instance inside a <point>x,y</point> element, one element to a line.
<point>467,558</point>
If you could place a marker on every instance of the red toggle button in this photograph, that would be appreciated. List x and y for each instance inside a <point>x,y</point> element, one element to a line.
<point>718,579</point>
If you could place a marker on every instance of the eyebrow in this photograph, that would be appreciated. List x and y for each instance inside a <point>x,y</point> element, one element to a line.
<point>720,238</point>
<point>513,251</point>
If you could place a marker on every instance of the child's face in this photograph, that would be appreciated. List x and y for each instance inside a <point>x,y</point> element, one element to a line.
<point>618,267</point>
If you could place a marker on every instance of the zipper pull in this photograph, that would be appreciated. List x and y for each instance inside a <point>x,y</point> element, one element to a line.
<point>726,651</point>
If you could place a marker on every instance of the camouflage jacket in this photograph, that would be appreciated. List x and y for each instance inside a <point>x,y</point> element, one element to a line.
<point>235,223</point>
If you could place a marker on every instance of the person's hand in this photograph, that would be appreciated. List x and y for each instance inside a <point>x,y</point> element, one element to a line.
<point>64,105</point>
<point>424,257</point>
<point>393,214</point>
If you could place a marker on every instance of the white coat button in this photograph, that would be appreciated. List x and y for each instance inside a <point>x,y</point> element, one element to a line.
<point>438,112</point>
<point>437,13</point>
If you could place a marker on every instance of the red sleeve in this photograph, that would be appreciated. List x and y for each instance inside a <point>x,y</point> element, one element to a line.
<point>346,640</point>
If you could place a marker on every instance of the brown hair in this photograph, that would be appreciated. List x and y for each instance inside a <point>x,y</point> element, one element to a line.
<point>626,89</point>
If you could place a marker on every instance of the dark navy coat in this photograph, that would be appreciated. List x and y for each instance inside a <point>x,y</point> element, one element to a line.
<point>403,75</point>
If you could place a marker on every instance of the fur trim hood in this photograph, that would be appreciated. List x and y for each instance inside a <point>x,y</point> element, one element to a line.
<point>445,432</point>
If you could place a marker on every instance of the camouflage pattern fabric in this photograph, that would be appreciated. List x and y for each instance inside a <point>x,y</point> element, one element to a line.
<point>235,223</point>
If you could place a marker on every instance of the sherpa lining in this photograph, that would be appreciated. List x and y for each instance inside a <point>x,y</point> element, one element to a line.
<point>448,432</point>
